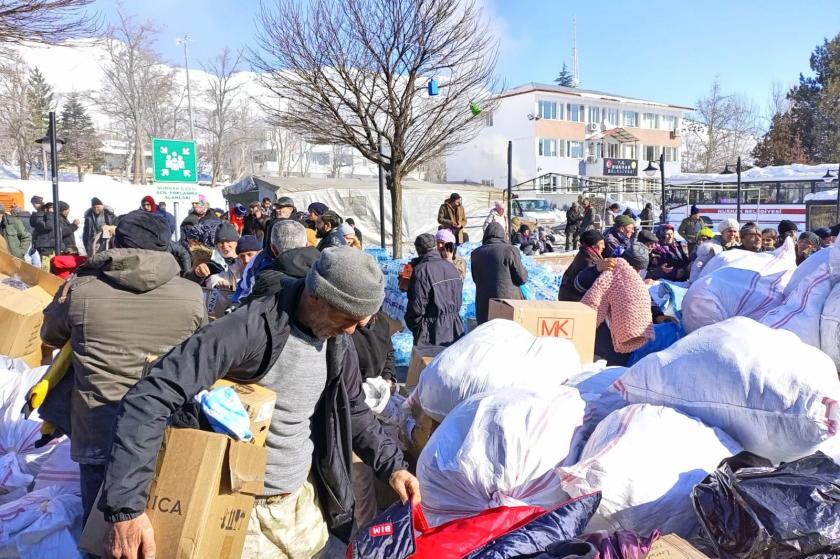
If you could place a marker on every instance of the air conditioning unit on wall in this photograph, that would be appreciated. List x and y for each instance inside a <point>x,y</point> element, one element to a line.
<point>593,127</point>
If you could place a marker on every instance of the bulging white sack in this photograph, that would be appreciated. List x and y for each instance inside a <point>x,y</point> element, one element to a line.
<point>805,295</point>
<point>43,523</point>
<point>16,378</point>
<point>738,283</point>
<point>645,460</point>
<point>777,396</point>
<point>499,449</point>
<point>20,461</point>
<point>498,354</point>
<point>830,326</point>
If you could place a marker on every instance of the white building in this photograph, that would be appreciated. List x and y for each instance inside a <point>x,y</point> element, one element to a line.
<point>570,132</point>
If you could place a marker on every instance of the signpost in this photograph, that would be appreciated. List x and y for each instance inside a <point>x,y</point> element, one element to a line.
<point>621,167</point>
<point>174,160</point>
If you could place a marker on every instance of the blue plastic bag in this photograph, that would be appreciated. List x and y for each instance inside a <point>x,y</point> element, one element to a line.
<point>666,335</point>
<point>225,412</point>
<point>527,292</point>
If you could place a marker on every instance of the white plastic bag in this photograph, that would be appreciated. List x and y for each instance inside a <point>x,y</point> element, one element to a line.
<point>645,460</point>
<point>59,469</point>
<point>830,326</point>
<point>778,397</point>
<point>738,283</point>
<point>44,523</point>
<point>20,461</point>
<point>389,409</point>
<point>498,354</point>
<point>804,297</point>
<point>499,449</point>
<point>16,378</point>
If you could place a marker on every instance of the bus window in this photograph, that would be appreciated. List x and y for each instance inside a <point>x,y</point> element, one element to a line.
<point>769,193</point>
<point>792,192</point>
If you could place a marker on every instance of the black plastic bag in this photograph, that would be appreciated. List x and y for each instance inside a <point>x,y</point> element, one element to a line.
<point>750,510</point>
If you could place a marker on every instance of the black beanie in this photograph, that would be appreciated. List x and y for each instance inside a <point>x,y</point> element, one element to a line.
<point>785,226</point>
<point>591,237</point>
<point>95,202</point>
<point>145,230</point>
<point>424,243</point>
<point>226,233</point>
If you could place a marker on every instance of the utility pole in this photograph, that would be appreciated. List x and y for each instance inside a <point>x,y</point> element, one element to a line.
<point>183,41</point>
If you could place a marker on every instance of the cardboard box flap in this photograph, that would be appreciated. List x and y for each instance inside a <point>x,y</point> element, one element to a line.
<point>17,268</point>
<point>246,464</point>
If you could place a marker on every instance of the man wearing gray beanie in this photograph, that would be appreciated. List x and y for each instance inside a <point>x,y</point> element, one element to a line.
<point>296,343</point>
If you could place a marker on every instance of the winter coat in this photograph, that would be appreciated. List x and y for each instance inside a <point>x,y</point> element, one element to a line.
<point>529,245</point>
<point>374,348</point>
<point>588,219</point>
<point>193,219</point>
<point>454,219</point>
<point>332,239</point>
<point>571,289</point>
<point>616,242</point>
<point>689,229</point>
<point>609,219</point>
<point>434,301</point>
<point>122,306</point>
<point>494,217</point>
<point>93,227</point>
<point>42,231</point>
<point>243,346</point>
<point>293,263</point>
<point>674,255</point>
<point>228,278</point>
<point>646,218</point>
<point>497,271</point>
<point>17,237</point>
<point>68,234</point>
<point>574,217</point>
<point>170,219</point>
<point>182,256</point>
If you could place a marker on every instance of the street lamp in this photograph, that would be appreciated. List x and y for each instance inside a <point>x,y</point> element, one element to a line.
<point>651,170</point>
<point>728,171</point>
<point>53,144</point>
<point>827,179</point>
<point>183,41</point>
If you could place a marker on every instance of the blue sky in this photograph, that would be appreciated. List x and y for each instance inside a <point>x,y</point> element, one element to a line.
<point>665,51</point>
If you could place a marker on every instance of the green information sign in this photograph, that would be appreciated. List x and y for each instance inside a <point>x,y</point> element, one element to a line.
<point>174,160</point>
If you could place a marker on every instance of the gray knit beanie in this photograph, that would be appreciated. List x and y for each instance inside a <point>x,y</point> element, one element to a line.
<point>349,280</point>
<point>637,256</point>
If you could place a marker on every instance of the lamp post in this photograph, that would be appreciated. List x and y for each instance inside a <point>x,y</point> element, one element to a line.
<point>52,143</point>
<point>510,182</point>
<point>650,170</point>
<point>728,171</point>
<point>183,41</point>
<point>827,179</point>
<point>381,192</point>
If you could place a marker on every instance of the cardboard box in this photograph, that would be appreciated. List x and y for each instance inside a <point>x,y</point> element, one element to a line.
<point>259,403</point>
<point>423,429</point>
<point>560,319</point>
<point>24,292</point>
<point>217,301</point>
<point>672,546</point>
<point>420,357</point>
<point>200,499</point>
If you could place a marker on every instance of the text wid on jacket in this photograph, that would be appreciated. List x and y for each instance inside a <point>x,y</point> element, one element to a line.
<point>122,306</point>
<point>434,301</point>
<point>244,345</point>
<point>497,271</point>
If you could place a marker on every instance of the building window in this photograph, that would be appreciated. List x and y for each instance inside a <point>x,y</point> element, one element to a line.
<point>667,122</point>
<point>488,119</point>
<point>320,158</point>
<point>488,182</point>
<point>613,150</point>
<point>652,153</point>
<point>547,147</point>
<point>671,154</point>
<point>574,149</point>
<point>595,149</point>
<point>630,119</point>
<point>629,151</point>
<point>611,116</point>
<point>650,120</point>
<point>595,115</point>
<point>574,112</point>
<point>547,109</point>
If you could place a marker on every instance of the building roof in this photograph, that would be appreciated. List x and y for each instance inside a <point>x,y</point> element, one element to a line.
<point>586,93</point>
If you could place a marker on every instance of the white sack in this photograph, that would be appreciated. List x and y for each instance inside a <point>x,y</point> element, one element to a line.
<point>645,460</point>
<point>498,354</point>
<point>20,461</point>
<point>706,252</point>
<point>499,449</point>
<point>830,326</point>
<point>59,469</point>
<point>805,296</point>
<point>44,523</point>
<point>389,409</point>
<point>738,283</point>
<point>776,395</point>
<point>16,378</point>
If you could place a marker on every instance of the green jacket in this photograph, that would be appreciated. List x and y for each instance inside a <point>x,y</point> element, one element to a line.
<point>16,235</point>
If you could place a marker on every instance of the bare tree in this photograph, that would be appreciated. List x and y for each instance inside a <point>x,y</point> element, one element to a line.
<point>349,71</point>
<point>247,137</point>
<point>46,21</point>
<point>724,127</point>
<point>221,93</point>
<point>135,83</point>
<point>15,113</point>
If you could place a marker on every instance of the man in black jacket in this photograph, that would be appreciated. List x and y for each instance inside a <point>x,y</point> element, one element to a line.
<point>574,217</point>
<point>96,217</point>
<point>327,229</point>
<point>298,344</point>
<point>497,271</point>
<point>434,297</point>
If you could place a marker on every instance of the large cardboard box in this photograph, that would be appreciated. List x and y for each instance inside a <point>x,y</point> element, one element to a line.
<point>420,357</point>
<point>200,499</point>
<point>24,292</point>
<point>672,546</point>
<point>560,319</point>
<point>259,403</point>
